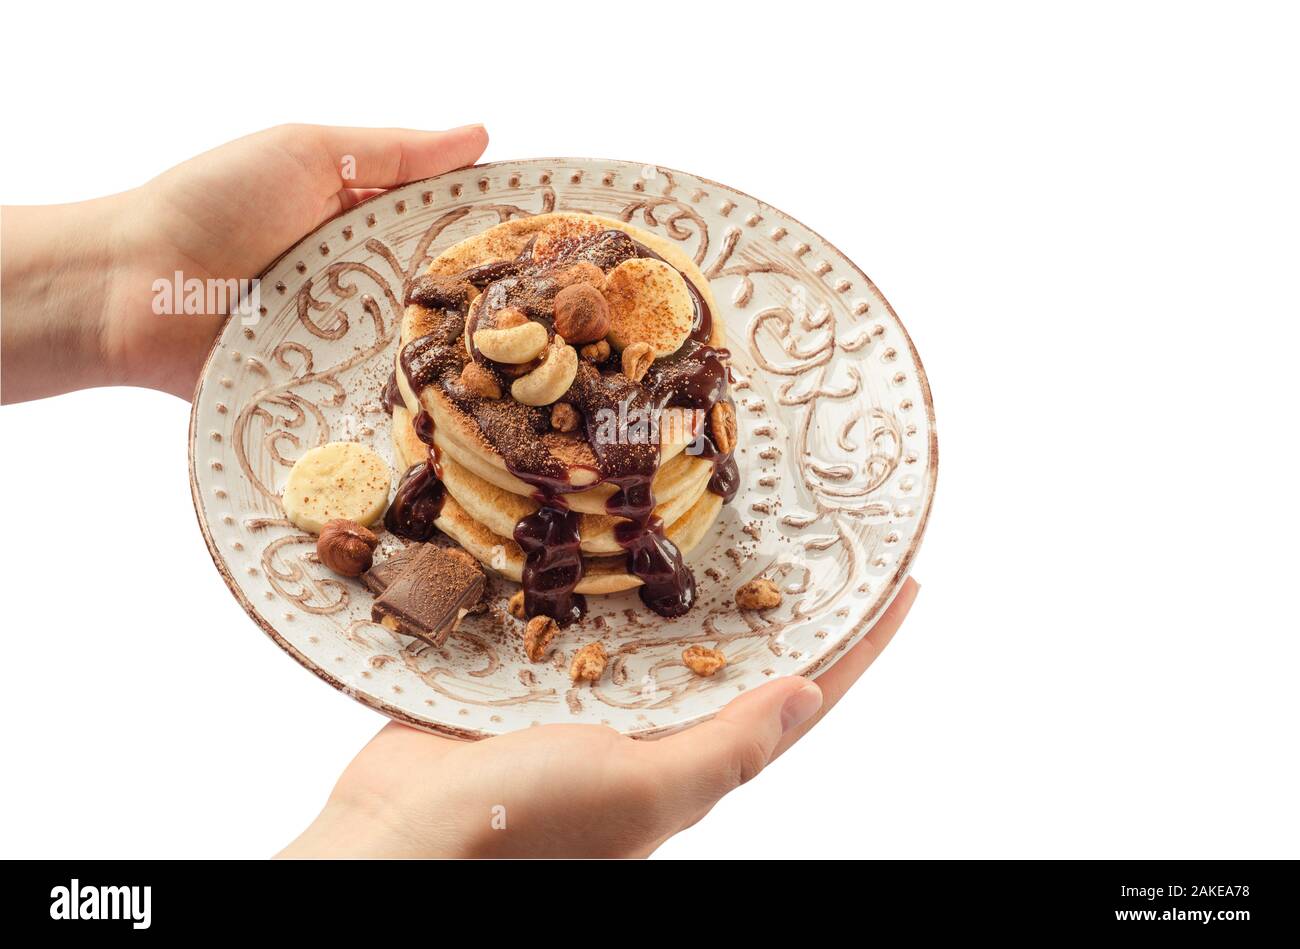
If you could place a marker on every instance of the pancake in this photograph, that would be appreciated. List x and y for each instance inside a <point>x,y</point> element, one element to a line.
<point>600,574</point>
<point>535,358</point>
<point>500,510</point>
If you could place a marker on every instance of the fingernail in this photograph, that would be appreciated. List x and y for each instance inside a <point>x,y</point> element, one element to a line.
<point>800,707</point>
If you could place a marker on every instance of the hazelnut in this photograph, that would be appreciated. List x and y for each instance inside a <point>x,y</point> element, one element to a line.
<point>758,594</point>
<point>722,424</point>
<point>508,317</point>
<point>702,660</point>
<point>480,381</point>
<point>588,663</point>
<point>636,360</point>
<point>346,547</point>
<point>581,314</point>
<point>538,635</point>
<point>516,605</point>
<point>564,417</point>
<point>595,352</point>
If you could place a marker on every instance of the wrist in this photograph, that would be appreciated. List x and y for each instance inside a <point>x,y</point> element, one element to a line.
<point>58,285</point>
<point>374,830</point>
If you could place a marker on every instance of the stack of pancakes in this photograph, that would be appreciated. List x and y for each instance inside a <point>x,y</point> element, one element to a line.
<point>484,500</point>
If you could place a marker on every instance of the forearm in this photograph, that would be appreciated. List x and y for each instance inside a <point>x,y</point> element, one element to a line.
<point>57,268</point>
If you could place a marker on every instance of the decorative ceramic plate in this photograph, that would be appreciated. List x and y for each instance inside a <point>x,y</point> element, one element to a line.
<point>837,454</point>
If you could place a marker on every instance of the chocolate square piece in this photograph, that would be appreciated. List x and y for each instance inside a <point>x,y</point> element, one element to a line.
<point>378,577</point>
<point>433,591</point>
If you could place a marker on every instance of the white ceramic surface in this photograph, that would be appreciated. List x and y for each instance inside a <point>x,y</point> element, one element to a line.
<point>838,455</point>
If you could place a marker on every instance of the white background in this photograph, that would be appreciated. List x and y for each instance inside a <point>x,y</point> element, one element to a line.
<point>1088,221</point>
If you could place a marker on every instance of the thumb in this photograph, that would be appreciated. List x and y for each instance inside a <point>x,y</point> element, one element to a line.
<point>356,161</point>
<point>386,158</point>
<point>723,753</point>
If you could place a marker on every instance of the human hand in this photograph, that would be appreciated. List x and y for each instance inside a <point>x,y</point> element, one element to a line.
<point>78,278</point>
<point>570,790</point>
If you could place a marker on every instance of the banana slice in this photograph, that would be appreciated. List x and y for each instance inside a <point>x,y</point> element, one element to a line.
<point>338,479</point>
<point>648,303</point>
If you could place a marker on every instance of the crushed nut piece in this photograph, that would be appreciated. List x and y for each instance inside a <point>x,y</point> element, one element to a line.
<point>538,635</point>
<point>595,352</point>
<point>636,360</point>
<point>722,423</point>
<point>480,381</point>
<point>758,594</point>
<point>702,660</point>
<point>515,372</point>
<point>588,663</point>
<point>516,605</point>
<point>564,417</point>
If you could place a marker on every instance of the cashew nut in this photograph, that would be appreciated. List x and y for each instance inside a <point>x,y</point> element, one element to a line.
<point>551,379</point>
<point>513,345</point>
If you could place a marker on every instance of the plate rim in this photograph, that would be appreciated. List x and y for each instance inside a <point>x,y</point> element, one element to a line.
<point>811,670</point>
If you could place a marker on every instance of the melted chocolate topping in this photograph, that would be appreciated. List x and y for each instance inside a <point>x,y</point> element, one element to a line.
<point>418,502</point>
<point>552,562</point>
<point>415,509</point>
<point>495,270</point>
<point>694,377</point>
<point>391,395</point>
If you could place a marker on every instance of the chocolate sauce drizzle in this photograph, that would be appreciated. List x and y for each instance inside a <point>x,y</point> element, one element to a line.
<point>418,502</point>
<point>695,377</point>
<point>415,509</point>
<point>391,394</point>
<point>552,562</point>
